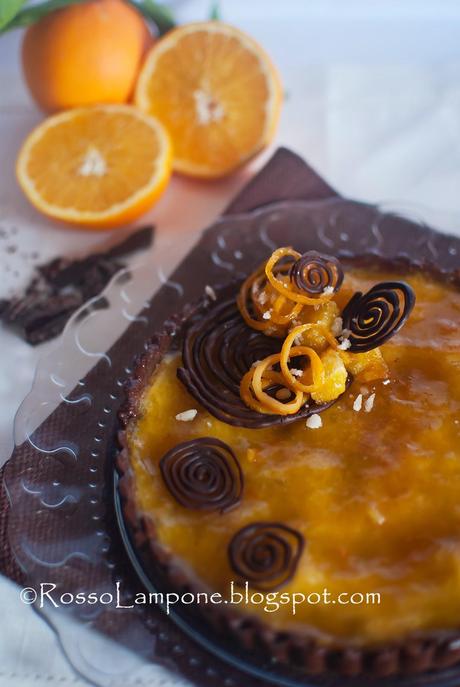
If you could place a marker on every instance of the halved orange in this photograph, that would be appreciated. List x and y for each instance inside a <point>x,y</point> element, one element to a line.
<point>96,167</point>
<point>217,93</point>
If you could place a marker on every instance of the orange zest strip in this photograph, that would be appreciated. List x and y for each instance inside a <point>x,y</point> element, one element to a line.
<point>250,291</point>
<point>278,318</point>
<point>257,379</point>
<point>317,370</point>
<point>256,290</point>
<point>242,300</point>
<point>271,403</point>
<point>287,352</point>
<point>248,394</point>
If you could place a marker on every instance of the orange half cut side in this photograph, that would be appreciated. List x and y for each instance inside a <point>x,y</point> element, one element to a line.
<point>217,93</point>
<point>97,167</point>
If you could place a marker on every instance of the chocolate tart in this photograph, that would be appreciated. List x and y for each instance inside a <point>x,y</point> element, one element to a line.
<point>345,514</point>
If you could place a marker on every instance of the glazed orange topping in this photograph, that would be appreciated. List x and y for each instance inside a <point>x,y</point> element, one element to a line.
<point>308,319</point>
<point>375,492</point>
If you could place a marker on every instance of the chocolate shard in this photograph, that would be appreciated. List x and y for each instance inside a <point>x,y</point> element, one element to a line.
<point>203,474</point>
<point>265,554</point>
<point>62,285</point>
<point>46,328</point>
<point>374,317</point>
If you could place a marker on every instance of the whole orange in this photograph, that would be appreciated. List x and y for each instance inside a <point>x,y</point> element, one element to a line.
<point>85,54</point>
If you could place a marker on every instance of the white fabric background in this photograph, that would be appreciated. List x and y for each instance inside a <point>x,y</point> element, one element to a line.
<point>372,101</point>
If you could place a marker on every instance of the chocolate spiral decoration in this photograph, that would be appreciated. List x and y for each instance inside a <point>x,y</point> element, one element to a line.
<point>203,474</point>
<point>374,317</point>
<point>313,272</point>
<point>265,554</point>
<point>218,349</point>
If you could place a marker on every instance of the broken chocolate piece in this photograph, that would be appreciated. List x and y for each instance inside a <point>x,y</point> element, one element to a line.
<point>61,286</point>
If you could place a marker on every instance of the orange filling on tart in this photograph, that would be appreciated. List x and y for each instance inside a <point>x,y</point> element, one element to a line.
<point>374,491</point>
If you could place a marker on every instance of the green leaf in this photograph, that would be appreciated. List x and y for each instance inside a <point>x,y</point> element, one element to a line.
<point>8,10</point>
<point>161,15</point>
<point>215,13</point>
<point>30,15</point>
<point>14,17</point>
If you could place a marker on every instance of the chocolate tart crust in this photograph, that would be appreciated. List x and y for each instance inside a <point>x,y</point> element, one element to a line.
<point>417,653</point>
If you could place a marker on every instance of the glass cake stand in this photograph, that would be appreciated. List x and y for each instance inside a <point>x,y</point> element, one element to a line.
<point>66,526</point>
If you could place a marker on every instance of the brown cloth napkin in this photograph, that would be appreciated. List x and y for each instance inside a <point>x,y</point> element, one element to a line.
<point>285,177</point>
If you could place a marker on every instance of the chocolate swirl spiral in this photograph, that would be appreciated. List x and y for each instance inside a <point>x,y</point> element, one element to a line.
<point>374,317</point>
<point>314,272</point>
<point>265,554</point>
<point>203,474</point>
<point>218,349</point>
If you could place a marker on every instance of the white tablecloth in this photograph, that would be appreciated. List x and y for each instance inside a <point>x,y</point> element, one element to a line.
<point>372,101</point>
